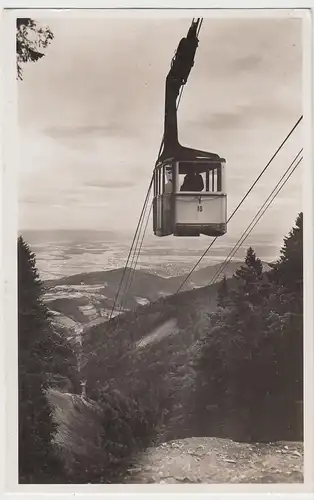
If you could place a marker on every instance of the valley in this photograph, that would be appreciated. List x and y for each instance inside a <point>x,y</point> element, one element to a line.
<point>84,300</point>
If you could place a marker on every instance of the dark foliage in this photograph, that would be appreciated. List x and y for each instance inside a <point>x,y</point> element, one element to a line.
<point>126,429</point>
<point>251,360</point>
<point>36,458</point>
<point>41,353</point>
<point>222,293</point>
<point>30,41</point>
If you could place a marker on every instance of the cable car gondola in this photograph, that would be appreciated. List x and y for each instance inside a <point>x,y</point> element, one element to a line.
<point>189,184</point>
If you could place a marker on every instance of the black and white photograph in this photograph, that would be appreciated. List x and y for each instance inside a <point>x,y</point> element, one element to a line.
<point>160,174</point>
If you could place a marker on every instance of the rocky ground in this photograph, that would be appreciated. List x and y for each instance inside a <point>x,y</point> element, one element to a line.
<point>216,460</point>
<point>190,460</point>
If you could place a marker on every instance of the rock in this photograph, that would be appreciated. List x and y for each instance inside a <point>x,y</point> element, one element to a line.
<point>78,426</point>
<point>216,460</point>
<point>296,453</point>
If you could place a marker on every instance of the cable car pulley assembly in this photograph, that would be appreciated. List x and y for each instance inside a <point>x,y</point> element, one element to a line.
<point>189,187</point>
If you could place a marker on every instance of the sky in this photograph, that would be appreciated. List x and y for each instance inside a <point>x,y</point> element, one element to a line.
<point>91,117</point>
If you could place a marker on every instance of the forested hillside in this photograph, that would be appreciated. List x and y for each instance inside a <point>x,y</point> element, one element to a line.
<point>253,351</point>
<point>44,358</point>
<point>224,361</point>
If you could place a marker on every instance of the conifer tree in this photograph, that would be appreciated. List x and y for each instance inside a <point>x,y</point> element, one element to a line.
<point>222,293</point>
<point>37,462</point>
<point>287,302</point>
<point>249,278</point>
<point>252,356</point>
<point>287,272</point>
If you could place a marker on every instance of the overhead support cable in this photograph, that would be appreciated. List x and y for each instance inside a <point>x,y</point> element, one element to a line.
<point>241,202</point>
<point>280,184</point>
<point>134,247</point>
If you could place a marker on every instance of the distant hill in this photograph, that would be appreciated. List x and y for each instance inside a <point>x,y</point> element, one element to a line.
<point>202,277</point>
<point>86,296</point>
<point>150,283</point>
<point>109,278</point>
<point>147,286</point>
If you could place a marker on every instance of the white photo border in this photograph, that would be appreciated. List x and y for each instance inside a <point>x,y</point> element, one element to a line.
<point>8,225</point>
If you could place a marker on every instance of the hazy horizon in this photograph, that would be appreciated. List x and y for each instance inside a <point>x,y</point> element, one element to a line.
<point>63,252</point>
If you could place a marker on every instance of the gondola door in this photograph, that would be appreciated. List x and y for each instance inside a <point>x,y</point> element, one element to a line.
<point>162,204</point>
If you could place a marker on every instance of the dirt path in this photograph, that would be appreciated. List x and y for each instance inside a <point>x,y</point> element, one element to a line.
<point>216,460</point>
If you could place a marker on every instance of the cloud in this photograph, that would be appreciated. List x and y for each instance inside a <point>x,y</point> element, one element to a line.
<point>111,185</point>
<point>87,131</point>
<point>225,120</point>
<point>29,201</point>
<point>244,116</point>
<point>247,63</point>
